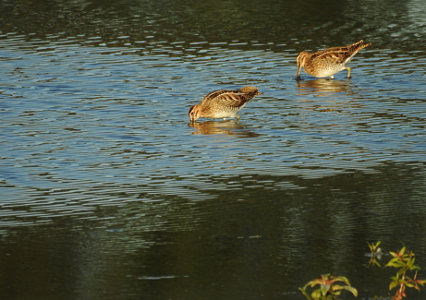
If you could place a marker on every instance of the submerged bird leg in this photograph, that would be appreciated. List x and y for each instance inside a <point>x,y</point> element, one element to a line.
<point>238,117</point>
<point>349,72</point>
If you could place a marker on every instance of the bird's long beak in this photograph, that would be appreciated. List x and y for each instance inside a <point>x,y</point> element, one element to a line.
<point>300,63</point>
<point>299,67</point>
<point>259,93</point>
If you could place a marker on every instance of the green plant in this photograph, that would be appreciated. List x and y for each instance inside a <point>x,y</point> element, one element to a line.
<point>329,287</point>
<point>404,262</point>
<point>375,253</point>
<point>374,248</point>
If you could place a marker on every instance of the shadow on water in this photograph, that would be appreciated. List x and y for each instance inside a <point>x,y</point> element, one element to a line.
<point>169,247</point>
<point>243,24</point>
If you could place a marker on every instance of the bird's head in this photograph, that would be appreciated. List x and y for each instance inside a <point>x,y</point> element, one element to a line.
<point>301,59</point>
<point>250,90</point>
<point>194,112</point>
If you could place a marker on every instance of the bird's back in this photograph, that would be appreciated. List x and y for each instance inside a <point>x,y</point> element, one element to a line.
<point>339,55</point>
<point>226,99</point>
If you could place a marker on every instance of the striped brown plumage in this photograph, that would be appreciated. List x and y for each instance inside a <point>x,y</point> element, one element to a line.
<point>223,103</point>
<point>328,62</point>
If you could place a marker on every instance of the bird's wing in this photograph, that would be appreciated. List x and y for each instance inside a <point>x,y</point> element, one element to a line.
<point>226,98</point>
<point>338,55</point>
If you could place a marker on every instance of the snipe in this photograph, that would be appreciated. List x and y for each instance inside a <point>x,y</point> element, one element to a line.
<point>223,103</point>
<point>328,62</point>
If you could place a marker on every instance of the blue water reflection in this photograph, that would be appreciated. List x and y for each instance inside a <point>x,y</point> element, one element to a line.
<point>103,176</point>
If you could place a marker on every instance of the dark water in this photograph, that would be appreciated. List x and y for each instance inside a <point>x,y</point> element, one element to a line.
<point>107,192</point>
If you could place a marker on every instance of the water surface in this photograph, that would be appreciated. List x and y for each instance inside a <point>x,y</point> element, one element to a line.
<point>107,190</point>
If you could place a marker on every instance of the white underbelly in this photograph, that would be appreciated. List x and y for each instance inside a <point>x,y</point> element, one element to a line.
<point>329,71</point>
<point>228,112</point>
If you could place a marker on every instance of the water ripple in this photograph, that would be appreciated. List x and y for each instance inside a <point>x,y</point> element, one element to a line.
<point>91,121</point>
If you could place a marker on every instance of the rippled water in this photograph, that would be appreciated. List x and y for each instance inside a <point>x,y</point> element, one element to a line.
<point>108,191</point>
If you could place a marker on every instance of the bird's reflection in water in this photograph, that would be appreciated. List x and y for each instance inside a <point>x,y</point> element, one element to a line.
<point>228,127</point>
<point>337,95</point>
<point>323,87</point>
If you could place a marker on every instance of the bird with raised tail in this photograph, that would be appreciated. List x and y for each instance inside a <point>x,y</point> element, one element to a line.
<point>328,62</point>
<point>223,103</point>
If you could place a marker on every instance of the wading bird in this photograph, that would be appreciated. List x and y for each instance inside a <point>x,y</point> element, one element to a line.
<point>223,103</point>
<point>326,63</point>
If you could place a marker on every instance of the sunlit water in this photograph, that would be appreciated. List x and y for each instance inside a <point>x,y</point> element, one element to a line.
<point>108,191</point>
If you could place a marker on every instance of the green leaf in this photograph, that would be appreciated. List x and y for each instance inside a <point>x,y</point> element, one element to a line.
<point>324,289</point>
<point>352,290</point>
<point>393,285</point>
<point>305,293</point>
<point>312,283</point>
<point>344,279</point>
<point>421,282</point>
<point>373,247</point>
<point>394,263</point>
<point>316,294</point>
